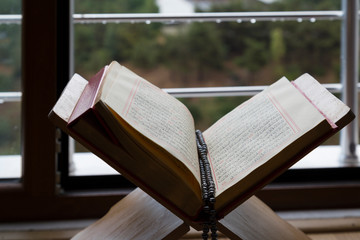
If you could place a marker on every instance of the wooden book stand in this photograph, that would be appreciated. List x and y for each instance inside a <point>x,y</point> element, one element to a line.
<point>139,217</point>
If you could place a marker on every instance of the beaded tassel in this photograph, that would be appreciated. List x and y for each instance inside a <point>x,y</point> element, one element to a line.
<point>208,188</point>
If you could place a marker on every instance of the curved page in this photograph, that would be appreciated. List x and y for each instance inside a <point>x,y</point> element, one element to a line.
<point>153,113</point>
<point>257,130</point>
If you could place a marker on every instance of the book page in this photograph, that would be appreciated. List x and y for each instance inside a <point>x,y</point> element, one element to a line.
<point>69,97</point>
<point>256,130</point>
<point>331,107</point>
<point>154,113</point>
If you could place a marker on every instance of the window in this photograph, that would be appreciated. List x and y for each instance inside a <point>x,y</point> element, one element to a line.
<point>47,65</point>
<point>10,86</point>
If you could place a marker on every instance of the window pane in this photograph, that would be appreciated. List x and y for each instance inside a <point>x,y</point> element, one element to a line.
<point>10,160</point>
<point>10,85</point>
<point>209,54</point>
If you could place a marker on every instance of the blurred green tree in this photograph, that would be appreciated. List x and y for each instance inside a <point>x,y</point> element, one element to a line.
<point>278,51</point>
<point>205,47</point>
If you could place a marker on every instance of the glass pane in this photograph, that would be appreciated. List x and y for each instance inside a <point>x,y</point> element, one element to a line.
<point>212,54</point>
<point>209,54</point>
<point>10,86</point>
<point>10,160</point>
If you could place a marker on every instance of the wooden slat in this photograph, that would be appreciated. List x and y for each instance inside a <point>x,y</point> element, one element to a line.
<point>255,220</point>
<point>349,224</point>
<point>137,216</point>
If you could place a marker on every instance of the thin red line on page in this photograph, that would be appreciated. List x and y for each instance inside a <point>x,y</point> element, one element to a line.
<point>131,97</point>
<point>284,113</point>
<point>212,168</point>
<point>213,172</point>
<point>332,124</point>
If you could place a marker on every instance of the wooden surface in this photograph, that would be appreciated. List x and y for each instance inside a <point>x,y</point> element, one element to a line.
<point>318,229</point>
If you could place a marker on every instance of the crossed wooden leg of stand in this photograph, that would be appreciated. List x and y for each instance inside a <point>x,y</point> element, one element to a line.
<point>138,217</point>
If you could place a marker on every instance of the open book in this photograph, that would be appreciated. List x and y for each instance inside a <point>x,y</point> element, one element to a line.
<point>149,136</point>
